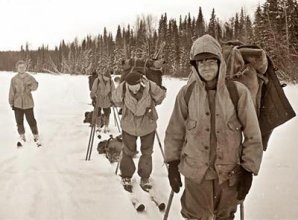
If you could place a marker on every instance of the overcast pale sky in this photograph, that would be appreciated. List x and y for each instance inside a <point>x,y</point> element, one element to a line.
<point>50,21</point>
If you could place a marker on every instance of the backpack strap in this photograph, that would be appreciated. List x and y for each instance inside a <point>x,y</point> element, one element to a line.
<point>231,86</point>
<point>188,92</point>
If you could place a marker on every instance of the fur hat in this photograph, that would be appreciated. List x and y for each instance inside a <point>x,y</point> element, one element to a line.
<point>133,78</point>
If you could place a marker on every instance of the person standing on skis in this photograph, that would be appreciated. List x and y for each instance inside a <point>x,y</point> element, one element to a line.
<point>138,97</point>
<point>21,101</point>
<point>101,95</point>
<point>204,138</point>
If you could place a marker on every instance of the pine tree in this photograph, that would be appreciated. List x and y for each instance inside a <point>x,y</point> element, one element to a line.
<point>212,24</point>
<point>200,24</point>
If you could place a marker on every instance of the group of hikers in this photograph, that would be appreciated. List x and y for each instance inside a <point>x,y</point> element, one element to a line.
<point>214,143</point>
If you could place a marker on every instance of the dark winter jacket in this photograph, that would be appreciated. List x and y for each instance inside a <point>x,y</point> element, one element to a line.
<point>258,74</point>
<point>275,107</point>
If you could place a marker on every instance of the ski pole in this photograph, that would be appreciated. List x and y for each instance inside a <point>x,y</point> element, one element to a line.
<point>160,146</point>
<point>118,114</point>
<point>92,132</point>
<point>89,143</point>
<point>172,192</point>
<point>118,163</point>
<point>114,111</point>
<point>166,215</point>
<point>115,122</point>
<point>241,211</point>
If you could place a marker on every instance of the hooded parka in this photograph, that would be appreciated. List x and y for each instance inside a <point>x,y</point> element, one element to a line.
<point>188,133</point>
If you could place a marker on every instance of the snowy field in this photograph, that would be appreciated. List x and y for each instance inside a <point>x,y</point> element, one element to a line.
<point>55,182</point>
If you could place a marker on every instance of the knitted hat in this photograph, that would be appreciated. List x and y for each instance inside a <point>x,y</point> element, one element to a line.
<point>204,56</point>
<point>133,78</point>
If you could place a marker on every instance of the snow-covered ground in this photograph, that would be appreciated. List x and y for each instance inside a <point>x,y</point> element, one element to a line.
<point>55,182</point>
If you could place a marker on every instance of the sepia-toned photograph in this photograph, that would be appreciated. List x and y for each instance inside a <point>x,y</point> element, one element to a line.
<point>148,109</point>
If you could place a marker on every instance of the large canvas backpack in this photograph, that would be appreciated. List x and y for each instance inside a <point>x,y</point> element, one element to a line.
<point>111,147</point>
<point>251,66</point>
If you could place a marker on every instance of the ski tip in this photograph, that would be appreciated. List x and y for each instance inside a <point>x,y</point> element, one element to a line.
<point>140,208</point>
<point>162,206</point>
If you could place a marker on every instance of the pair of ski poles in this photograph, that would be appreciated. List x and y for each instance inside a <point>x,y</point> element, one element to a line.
<point>93,128</point>
<point>92,132</point>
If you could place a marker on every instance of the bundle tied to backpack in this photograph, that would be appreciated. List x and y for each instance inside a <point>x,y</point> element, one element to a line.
<point>252,67</point>
<point>111,147</point>
<point>152,69</point>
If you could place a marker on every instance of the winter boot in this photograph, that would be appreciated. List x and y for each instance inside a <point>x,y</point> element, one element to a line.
<point>37,140</point>
<point>126,182</point>
<point>145,184</point>
<point>21,141</point>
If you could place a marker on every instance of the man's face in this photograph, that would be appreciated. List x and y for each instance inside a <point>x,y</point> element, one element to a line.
<point>208,69</point>
<point>134,88</point>
<point>21,68</point>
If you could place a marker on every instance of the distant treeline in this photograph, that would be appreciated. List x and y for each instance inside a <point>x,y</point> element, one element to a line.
<point>274,28</point>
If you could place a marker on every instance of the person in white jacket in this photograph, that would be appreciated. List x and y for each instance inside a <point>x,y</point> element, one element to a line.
<point>21,101</point>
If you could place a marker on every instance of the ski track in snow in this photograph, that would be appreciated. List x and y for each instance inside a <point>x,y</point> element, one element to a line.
<point>55,181</point>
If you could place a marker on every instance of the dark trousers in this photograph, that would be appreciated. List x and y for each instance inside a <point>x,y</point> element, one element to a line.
<point>19,115</point>
<point>105,118</point>
<point>209,200</point>
<point>127,165</point>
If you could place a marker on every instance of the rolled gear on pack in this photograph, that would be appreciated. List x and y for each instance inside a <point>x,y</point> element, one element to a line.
<point>252,67</point>
<point>152,68</point>
<point>111,147</point>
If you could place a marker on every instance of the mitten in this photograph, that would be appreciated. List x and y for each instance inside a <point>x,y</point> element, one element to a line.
<point>174,176</point>
<point>245,181</point>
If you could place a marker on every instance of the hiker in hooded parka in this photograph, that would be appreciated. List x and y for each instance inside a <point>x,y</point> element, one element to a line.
<point>101,95</point>
<point>138,97</point>
<point>204,138</point>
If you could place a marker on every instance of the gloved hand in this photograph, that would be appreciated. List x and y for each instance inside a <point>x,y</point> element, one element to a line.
<point>12,107</point>
<point>174,176</point>
<point>245,181</point>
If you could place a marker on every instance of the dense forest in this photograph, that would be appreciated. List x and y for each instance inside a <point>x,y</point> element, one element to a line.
<point>274,28</point>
